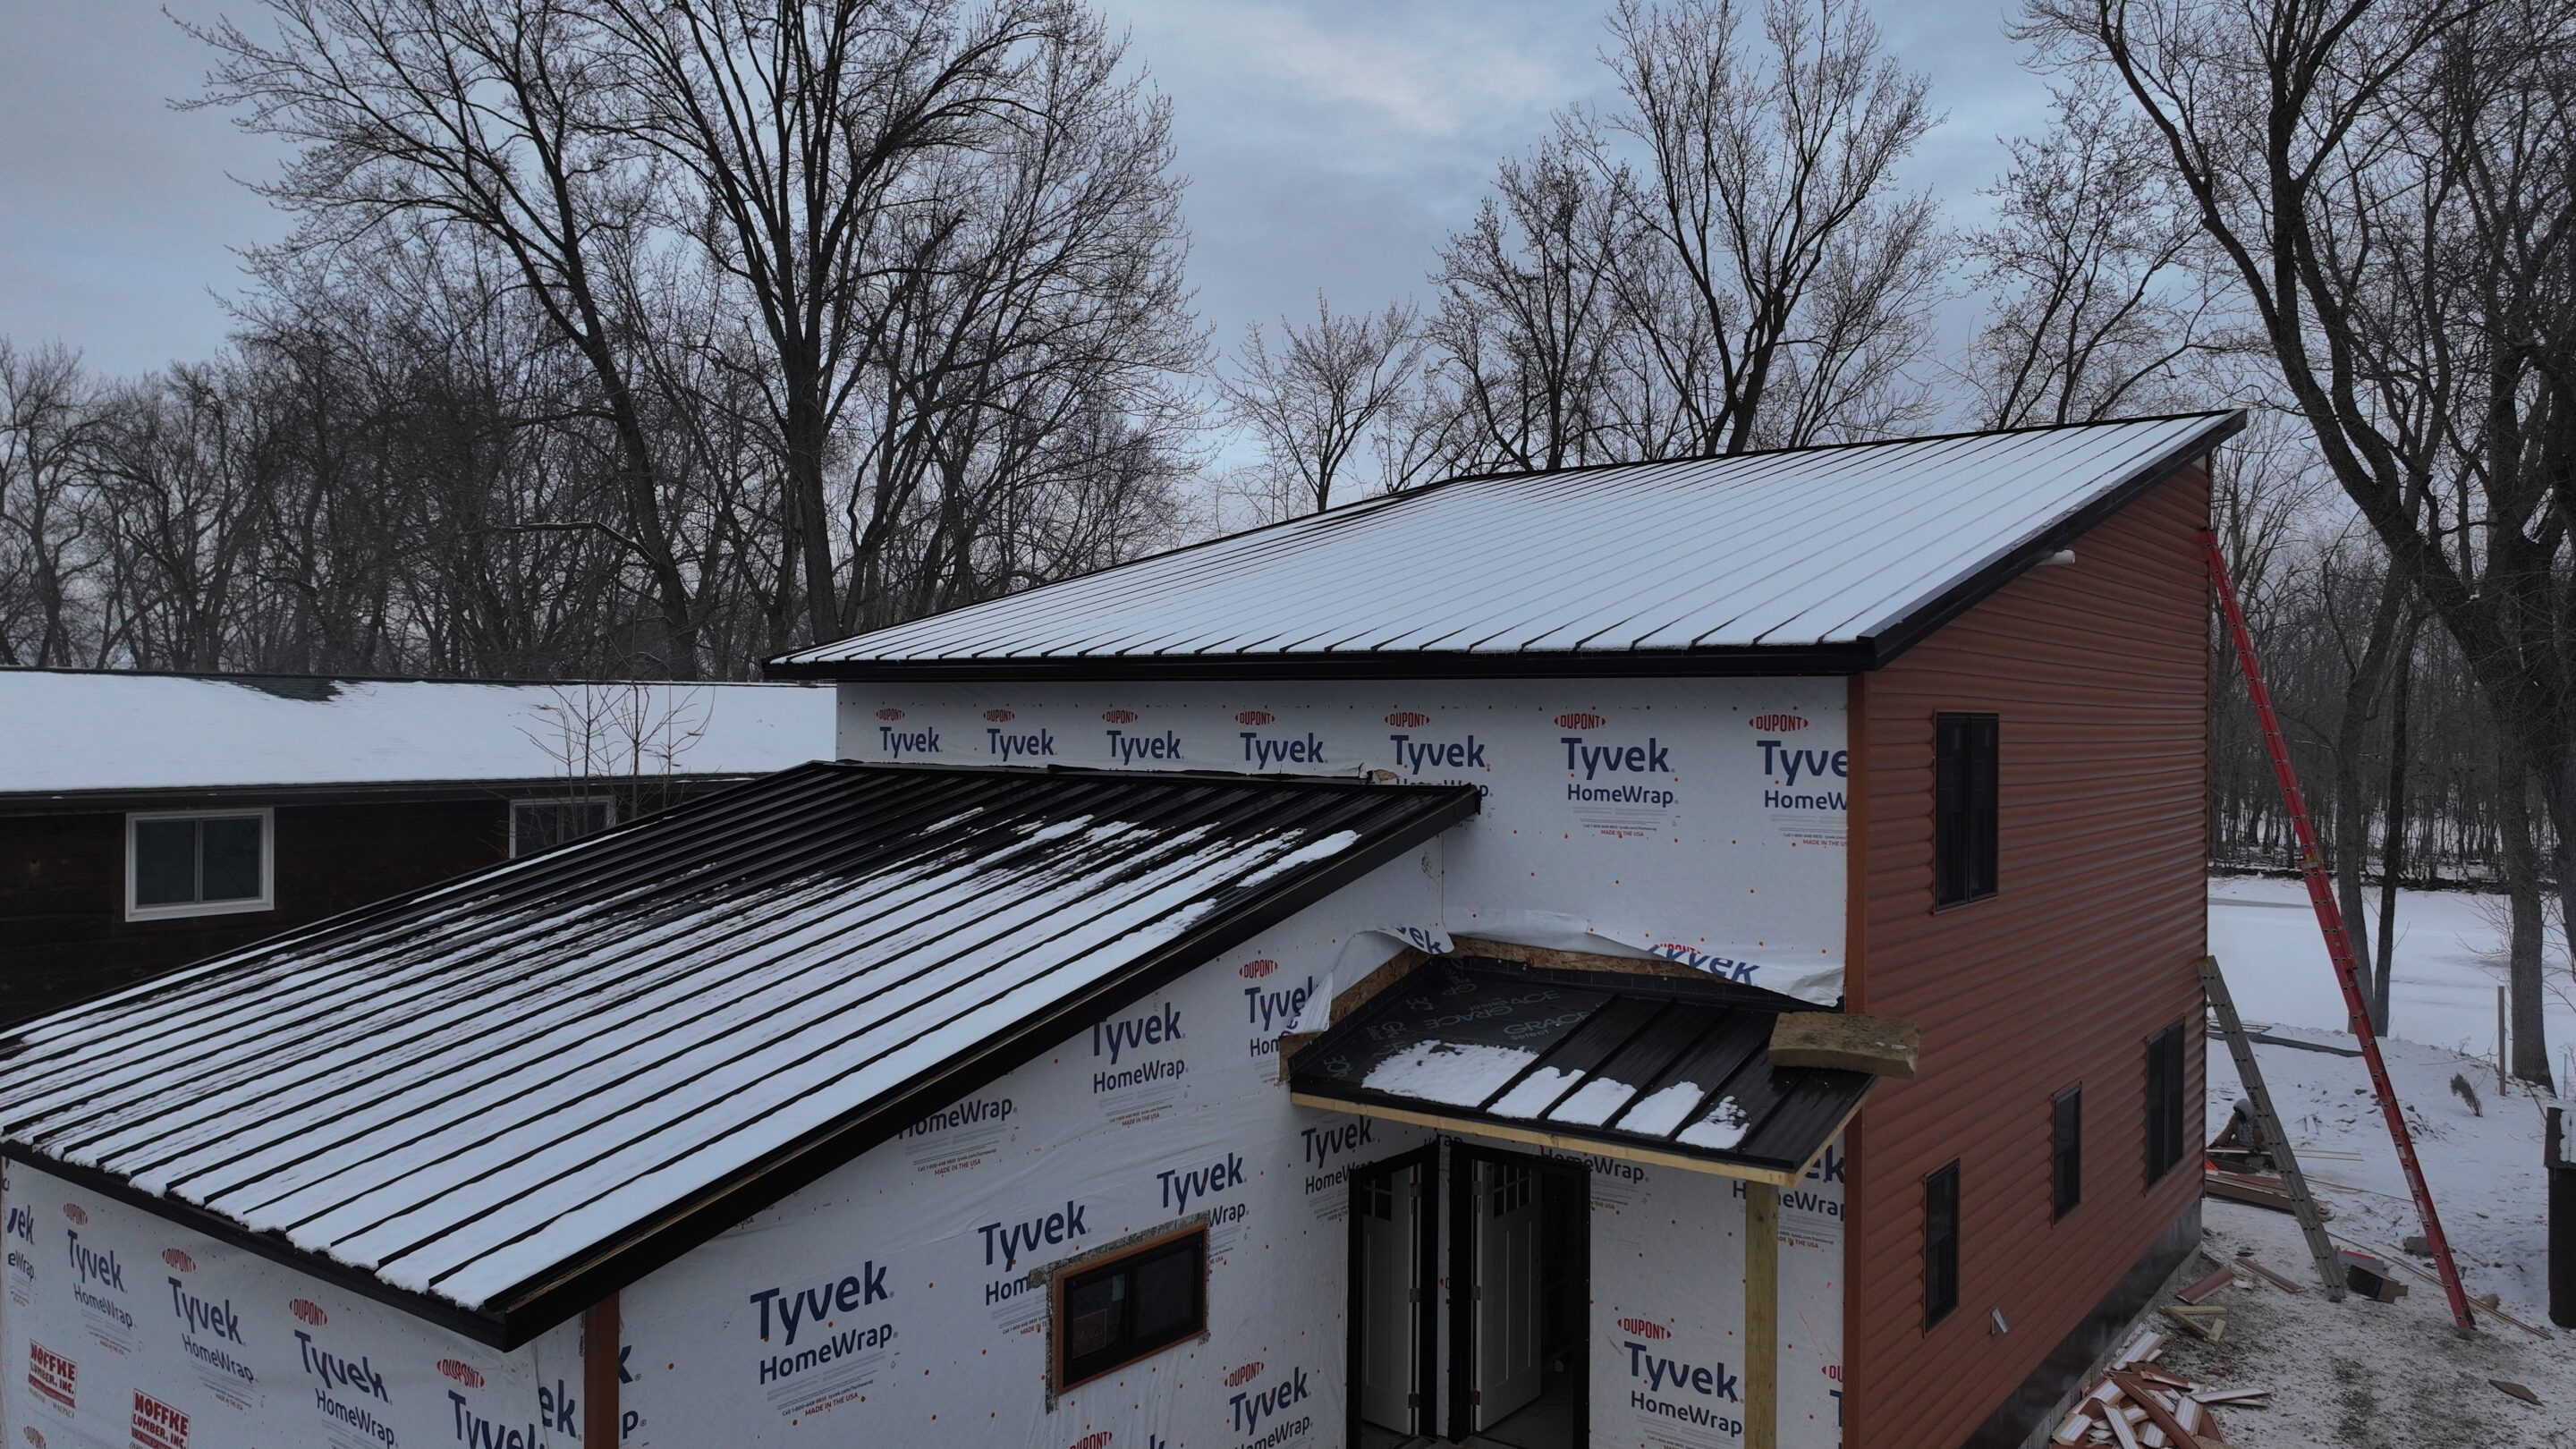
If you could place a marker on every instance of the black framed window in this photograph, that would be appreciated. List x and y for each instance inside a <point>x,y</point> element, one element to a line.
<point>544,824</point>
<point>2164,1101</point>
<point>1940,1244</point>
<point>2066,1137</point>
<point>1964,806</point>
<point>1129,1304</point>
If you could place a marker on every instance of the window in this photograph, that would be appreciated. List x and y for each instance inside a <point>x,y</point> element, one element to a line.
<point>1940,1244</point>
<point>2067,1158</point>
<point>1128,1304</point>
<point>544,824</point>
<point>207,863</point>
<point>2164,1101</point>
<point>1964,811</point>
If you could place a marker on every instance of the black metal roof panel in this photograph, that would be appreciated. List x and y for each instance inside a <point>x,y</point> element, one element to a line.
<point>496,1099</point>
<point>1677,1066</point>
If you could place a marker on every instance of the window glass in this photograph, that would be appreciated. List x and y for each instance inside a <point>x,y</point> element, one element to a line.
<point>1940,1244</point>
<point>229,859</point>
<point>2164,1101</point>
<point>1113,1312</point>
<point>1965,804</point>
<point>2068,1167</point>
<point>165,862</point>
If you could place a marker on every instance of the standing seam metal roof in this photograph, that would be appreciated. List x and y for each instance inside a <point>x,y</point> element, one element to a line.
<point>1848,550</point>
<point>458,1098</point>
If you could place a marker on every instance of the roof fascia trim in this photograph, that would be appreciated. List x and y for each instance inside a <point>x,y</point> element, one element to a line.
<point>1476,1126</point>
<point>1811,659</point>
<point>1894,636</point>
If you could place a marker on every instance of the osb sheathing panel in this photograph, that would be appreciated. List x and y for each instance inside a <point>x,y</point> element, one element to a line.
<point>2099,672</point>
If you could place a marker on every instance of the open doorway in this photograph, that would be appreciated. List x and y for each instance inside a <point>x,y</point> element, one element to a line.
<point>1394,1278</point>
<point>1520,1266</point>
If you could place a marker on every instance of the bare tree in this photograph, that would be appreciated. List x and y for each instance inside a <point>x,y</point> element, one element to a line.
<point>1321,395</point>
<point>799,125</point>
<point>493,119</point>
<point>1770,189</point>
<point>2387,180</point>
<point>50,417</point>
<point>2101,300</point>
<point>1528,318</point>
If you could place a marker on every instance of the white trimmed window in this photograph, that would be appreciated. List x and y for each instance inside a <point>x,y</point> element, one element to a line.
<point>199,863</point>
<point>544,824</point>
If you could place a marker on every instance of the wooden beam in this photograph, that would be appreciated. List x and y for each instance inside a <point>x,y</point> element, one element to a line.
<point>1761,1316</point>
<point>1591,1146</point>
<point>1883,1046</point>
<point>601,1339</point>
<point>1550,957</point>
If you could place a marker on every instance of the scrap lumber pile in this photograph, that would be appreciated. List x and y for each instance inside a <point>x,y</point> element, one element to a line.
<point>2137,1405</point>
<point>2256,1189</point>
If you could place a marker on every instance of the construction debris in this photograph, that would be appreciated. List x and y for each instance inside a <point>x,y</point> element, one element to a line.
<point>2371,1277</point>
<point>2507,1386</point>
<point>2137,1405</point>
<point>2253,1189</point>
<point>2246,1260</point>
<point>2208,1287</point>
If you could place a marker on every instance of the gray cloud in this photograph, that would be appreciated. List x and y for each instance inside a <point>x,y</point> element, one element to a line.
<point>1331,144</point>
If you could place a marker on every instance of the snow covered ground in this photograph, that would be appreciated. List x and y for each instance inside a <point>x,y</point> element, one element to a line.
<point>2376,1374</point>
<point>2391,1376</point>
<point>2450,960</point>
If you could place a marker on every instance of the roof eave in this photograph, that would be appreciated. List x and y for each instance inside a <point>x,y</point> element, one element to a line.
<point>1769,661</point>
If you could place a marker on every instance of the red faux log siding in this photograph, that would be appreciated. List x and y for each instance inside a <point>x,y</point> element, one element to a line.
<point>2098,672</point>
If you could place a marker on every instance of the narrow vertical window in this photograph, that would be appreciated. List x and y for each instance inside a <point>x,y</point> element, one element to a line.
<point>2164,1101</point>
<point>1964,807</point>
<point>1940,1244</point>
<point>2066,1171</point>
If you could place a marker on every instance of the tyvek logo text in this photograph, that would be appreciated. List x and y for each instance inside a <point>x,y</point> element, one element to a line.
<point>796,1308</point>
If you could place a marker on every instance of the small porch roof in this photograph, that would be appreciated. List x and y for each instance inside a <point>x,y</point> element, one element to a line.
<point>1667,1070</point>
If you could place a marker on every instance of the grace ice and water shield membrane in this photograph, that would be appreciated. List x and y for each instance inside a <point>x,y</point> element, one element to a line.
<point>1698,819</point>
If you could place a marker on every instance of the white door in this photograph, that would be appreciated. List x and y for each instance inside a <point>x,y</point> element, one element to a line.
<point>1390,1208</point>
<point>1507,1290</point>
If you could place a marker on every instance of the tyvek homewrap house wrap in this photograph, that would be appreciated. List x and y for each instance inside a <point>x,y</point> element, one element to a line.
<point>888,1099</point>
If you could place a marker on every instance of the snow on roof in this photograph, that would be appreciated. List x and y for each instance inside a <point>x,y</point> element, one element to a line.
<point>493,1079</point>
<point>1680,1066</point>
<point>1822,549</point>
<point>100,731</point>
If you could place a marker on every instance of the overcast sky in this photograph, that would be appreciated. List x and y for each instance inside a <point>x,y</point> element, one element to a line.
<point>1330,144</point>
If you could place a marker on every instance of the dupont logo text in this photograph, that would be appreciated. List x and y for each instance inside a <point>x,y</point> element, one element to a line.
<point>1405,719</point>
<point>308,1311</point>
<point>1255,970</point>
<point>1580,721</point>
<point>178,1261</point>
<point>1644,1328</point>
<point>1245,1374</point>
<point>464,1373</point>
<point>999,716</point>
<point>1118,716</point>
<point>1256,717</point>
<point>889,713</point>
<point>1777,724</point>
<point>76,1213</point>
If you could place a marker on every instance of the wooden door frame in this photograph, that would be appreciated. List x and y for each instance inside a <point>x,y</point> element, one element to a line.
<point>1426,1286</point>
<point>1461,1189</point>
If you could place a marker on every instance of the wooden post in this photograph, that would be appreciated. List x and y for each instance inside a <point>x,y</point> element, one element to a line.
<point>601,1339</point>
<point>2502,1086</point>
<point>1761,1316</point>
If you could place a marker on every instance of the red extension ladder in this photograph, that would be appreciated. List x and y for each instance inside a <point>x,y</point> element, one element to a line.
<point>2312,865</point>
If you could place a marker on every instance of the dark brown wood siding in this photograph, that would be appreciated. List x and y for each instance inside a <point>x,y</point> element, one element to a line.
<point>2098,671</point>
<point>63,932</point>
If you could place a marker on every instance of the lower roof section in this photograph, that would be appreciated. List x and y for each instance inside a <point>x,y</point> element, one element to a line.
<point>1669,1070</point>
<point>493,1101</point>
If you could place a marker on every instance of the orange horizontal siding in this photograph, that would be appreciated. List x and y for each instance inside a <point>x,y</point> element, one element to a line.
<point>2098,672</point>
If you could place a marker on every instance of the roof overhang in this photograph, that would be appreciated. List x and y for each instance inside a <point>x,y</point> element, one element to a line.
<point>1668,1071</point>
